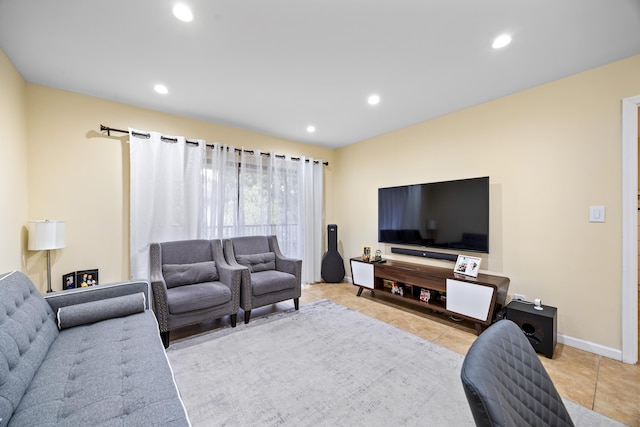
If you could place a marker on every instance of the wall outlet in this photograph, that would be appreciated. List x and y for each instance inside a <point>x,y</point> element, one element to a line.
<point>519,297</point>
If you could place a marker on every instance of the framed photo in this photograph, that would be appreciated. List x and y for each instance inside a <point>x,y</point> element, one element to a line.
<point>467,265</point>
<point>86,278</point>
<point>69,281</point>
<point>366,253</point>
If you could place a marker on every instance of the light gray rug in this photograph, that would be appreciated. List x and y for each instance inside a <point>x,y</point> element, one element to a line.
<point>324,365</point>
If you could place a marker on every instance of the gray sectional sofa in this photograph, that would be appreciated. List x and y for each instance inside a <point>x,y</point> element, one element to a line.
<point>85,357</point>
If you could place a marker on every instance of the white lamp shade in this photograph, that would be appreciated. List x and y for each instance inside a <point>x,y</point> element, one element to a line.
<point>432,224</point>
<point>45,234</point>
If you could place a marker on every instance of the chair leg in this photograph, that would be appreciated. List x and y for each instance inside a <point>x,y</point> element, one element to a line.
<point>165,339</point>
<point>247,316</point>
<point>296,303</point>
<point>234,319</point>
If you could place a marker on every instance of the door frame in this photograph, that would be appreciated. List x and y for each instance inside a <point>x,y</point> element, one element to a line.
<point>630,229</point>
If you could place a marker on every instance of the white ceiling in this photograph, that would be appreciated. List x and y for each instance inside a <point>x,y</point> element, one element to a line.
<point>277,66</point>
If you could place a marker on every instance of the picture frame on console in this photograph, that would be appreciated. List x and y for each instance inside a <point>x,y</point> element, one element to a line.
<point>86,278</point>
<point>467,265</point>
<point>366,253</point>
<point>69,281</point>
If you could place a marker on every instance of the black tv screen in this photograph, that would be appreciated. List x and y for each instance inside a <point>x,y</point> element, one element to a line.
<point>447,215</point>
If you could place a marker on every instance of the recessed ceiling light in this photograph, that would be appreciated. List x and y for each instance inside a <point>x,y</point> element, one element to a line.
<point>501,41</point>
<point>161,89</point>
<point>311,129</point>
<point>373,100</point>
<point>182,12</point>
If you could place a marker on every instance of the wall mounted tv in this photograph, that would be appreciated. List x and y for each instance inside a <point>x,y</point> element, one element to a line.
<point>447,215</point>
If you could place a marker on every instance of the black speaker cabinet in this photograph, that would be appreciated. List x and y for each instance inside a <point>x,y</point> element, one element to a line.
<point>539,326</point>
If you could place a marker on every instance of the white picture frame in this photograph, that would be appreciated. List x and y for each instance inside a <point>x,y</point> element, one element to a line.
<point>467,265</point>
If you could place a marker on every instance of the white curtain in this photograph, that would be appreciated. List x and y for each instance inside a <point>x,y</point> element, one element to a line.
<point>220,192</point>
<point>164,192</point>
<point>188,189</point>
<point>312,212</point>
<point>282,196</point>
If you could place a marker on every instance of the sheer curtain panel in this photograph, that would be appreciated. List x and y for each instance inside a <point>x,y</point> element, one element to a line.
<point>164,191</point>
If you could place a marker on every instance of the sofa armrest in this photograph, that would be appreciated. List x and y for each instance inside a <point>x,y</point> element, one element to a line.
<point>97,293</point>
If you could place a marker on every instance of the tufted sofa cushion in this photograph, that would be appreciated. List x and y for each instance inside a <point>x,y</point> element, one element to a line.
<point>188,274</point>
<point>27,330</point>
<point>258,262</point>
<point>113,372</point>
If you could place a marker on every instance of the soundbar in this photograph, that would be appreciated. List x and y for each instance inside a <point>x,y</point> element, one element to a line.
<point>425,254</point>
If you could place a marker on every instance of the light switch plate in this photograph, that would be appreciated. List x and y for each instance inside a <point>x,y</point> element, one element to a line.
<point>596,213</point>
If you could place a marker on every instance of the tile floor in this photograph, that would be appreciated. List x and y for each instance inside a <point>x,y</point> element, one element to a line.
<point>607,386</point>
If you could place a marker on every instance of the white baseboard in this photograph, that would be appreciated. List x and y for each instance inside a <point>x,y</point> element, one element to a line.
<point>598,349</point>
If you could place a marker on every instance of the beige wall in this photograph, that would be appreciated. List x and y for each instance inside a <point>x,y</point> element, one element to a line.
<point>81,176</point>
<point>551,152</point>
<point>13,172</point>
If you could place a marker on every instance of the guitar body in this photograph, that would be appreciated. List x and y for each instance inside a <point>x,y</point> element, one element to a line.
<point>332,268</point>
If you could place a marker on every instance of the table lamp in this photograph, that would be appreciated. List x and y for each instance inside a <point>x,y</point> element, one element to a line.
<point>45,235</point>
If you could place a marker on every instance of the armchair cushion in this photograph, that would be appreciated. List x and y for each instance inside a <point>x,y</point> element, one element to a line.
<point>95,311</point>
<point>188,274</point>
<point>199,296</point>
<point>266,282</point>
<point>258,262</point>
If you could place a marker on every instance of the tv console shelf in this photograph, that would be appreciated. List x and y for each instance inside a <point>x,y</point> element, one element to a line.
<point>473,298</point>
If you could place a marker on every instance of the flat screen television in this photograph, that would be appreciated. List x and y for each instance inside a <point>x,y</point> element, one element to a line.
<point>446,215</point>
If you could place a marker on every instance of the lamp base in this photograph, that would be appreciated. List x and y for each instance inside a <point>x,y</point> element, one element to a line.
<point>49,271</point>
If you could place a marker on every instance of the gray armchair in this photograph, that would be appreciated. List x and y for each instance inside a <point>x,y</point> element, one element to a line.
<point>506,384</point>
<point>269,276</point>
<point>191,282</point>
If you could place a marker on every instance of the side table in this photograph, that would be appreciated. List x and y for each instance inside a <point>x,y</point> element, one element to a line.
<point>539,326</point>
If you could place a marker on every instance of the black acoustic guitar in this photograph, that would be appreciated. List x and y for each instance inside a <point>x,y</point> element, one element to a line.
<point>332,269</point>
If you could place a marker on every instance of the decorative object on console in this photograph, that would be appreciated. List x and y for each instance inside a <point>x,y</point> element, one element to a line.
<point>86,278</point>
<point>467,265</point>
<point>366,253</point>
<point>45,235</point>
<point>69,280</point>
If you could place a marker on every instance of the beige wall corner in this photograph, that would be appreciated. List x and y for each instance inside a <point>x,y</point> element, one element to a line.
<point>13,173</point>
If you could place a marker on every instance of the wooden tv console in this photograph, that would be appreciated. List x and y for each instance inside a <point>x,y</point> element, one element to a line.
<point>473,298</point>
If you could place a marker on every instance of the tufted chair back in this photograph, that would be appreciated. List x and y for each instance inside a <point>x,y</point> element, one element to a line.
<point>506,384</point>
<point>27,329</point>
<point>248,245</point>
<point>186,252</point>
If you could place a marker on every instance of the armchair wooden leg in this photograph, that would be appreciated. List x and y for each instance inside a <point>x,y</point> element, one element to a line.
<point>247,316</point>
<point>234,319</point>
<point>296,303</point>
<point>165,339</point>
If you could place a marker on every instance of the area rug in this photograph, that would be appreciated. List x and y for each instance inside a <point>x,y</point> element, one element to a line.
<point>324,365</point>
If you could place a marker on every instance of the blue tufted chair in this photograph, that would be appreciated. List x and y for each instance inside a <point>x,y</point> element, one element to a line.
<point>269,276</point>
<point>506,384</point>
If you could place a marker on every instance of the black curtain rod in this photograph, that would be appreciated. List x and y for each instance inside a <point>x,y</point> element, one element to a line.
<point>108,129</point>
